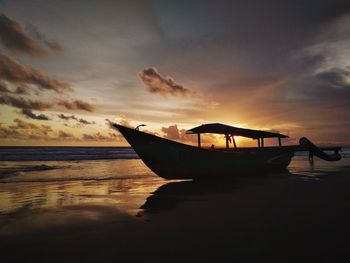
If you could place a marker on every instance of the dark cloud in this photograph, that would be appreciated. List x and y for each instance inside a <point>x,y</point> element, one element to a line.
<point>256,58</point>
<point>83,121</point>
<point>73,117</point>
<point>14,72</point>
<point>55,46</point>
<point>328,88</point>
<point>21,103</point>
<point>65,135</point>
<point>285,24</point>
<point>52,45</point>
<point>14,38</point>
<point>239,41</point>
<point>29,114</point>
<point>336,77</point>
<point>158,84</point>
<point>21,91</point>
<point>76,105</point>
<point>65,117</point>
<point>18,90</point>
<point>27,106</point>
<point>3,88</point>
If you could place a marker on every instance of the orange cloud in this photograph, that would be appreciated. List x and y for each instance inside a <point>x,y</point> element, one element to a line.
<point>76,105</point>
<point>173,133</point>
<point>111,137</point>
<point>158,84</point>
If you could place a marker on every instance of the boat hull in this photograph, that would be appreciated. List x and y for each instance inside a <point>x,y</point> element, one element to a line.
<point>173,160</point>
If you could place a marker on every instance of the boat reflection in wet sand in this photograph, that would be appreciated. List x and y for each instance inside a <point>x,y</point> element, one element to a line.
<point>173,160</point>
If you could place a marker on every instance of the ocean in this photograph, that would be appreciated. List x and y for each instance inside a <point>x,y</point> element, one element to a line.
<point>39,176</point>
<point>44,176</point>
<point>52,177</point>
<point>105,198</point>
<point>47,164</point>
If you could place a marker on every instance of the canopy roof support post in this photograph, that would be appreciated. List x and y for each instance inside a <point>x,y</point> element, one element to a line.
<point>199,140</point>
<point>234,142</point>
<point>279,141</point>
<point>227,145</point>
<point>259,142</point>
<point>262,142</point>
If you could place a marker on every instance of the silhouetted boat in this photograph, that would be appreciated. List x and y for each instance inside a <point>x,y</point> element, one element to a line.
<point>174,160</point>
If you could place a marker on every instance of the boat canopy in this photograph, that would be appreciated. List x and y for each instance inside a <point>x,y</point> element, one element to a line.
<point>227,129</point>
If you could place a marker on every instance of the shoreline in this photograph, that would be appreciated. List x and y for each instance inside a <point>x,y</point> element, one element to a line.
<point>282,216</point>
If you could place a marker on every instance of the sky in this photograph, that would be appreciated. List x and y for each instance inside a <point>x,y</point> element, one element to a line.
<point>70,68</point>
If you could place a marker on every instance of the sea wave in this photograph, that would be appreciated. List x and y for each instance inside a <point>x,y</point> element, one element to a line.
<point>12,171</point>
<point>65,153</point>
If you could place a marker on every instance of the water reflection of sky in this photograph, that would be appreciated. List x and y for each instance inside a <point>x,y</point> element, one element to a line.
<point>86,189</point>
<point>92,190</point>
<point>126,193</point>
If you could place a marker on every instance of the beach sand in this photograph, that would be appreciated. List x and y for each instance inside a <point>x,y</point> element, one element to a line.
<point>302,214</point>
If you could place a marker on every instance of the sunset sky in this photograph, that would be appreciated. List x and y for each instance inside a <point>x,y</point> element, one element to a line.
<point>68,68</point>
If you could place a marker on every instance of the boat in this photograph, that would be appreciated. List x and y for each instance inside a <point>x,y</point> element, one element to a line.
<point>173,160</point>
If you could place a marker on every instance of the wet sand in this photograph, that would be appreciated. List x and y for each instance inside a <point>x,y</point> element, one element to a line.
<point>299,215</point>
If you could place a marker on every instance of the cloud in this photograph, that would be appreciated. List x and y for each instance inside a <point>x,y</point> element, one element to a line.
<point>158,84</point>
<point>109,123</point>
<point>24,125</point>
<point>123,122</point>
<point>73,117</point>
<point>14,72</point>
<point>25,130</point>
<point>27,106</point>
<point>76,105</point>
<point>336,77</point>
<point>83,121</point>
<point>18,90</point>
<point>173,133</point>
<point>14,38</point>
<point>3,88</point>
<point>52,45</point>
<point>29,114</point>
<point>21,91</point>
<point>55,46</point>
<point>6,132</point>
<point>65,135</point>
<point>99,137</point>
<point>21,103</point>
<point>65,117</point>
<point>328,87</point>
